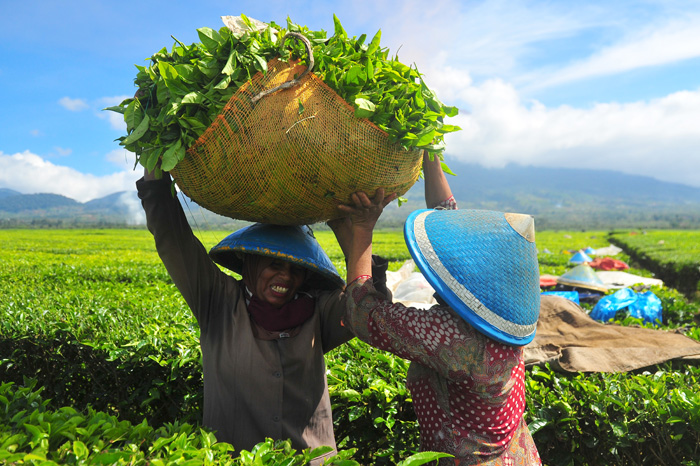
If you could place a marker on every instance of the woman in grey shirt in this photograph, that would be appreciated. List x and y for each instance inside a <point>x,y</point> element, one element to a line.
<point>263,338</point>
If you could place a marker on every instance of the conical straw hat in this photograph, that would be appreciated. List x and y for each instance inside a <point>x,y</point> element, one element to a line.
<point>484,265</point>
<point>582,276</point>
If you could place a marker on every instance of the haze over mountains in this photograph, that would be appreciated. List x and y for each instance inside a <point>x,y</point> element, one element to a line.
<point>558,198</point>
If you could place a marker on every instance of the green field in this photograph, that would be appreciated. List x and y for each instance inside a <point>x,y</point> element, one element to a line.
<point>93,318</point>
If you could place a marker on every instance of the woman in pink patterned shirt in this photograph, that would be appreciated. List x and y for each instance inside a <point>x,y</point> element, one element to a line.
<point>467,374</point>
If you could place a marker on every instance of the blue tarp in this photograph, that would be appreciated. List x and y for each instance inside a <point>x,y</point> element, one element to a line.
<point>570,295</point>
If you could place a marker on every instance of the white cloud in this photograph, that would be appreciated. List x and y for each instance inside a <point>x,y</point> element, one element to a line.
<point>136,214</point>
<point>671,42</point>
<point>475,55</point>
<point>499,38</point>
<point>123,159</point>
<point>74,105</point>
<point>29,173</point>
<point>484,37</point>
<point>116,120</point>
<point>657,138</point>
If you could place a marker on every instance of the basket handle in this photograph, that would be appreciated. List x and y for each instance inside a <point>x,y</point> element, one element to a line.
<point>296,80</point>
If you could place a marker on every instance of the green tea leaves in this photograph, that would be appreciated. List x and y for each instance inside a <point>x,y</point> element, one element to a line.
<point>356,76</point>
<point>210,38</point>
<point>426,136</point>
<point>364,108</point>
<point>182,91</point>
<point>172,156</point>
<point>138,132</point>
<point>339,31</point>
<point>374,45</point>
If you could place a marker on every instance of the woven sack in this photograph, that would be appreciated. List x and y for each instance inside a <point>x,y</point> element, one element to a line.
<point>291,157</point>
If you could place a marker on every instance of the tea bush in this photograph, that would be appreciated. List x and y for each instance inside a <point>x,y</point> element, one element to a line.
<point>674,255</point>
<point>31,433</point>
<point>93,318</point>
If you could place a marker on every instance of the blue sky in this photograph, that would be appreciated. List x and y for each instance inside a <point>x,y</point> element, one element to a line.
<point>595,84</point>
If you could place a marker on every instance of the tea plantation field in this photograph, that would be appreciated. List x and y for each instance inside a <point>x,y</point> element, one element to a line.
<point>100,364</point>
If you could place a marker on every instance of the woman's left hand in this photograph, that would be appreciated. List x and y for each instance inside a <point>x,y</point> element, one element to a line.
<point>364,212</point>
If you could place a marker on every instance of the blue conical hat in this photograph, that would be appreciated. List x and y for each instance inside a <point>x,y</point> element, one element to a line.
<point>484,265</point>
<point>579,258</point>
<point>296,244</point>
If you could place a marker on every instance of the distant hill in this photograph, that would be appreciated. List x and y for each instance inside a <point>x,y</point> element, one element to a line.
<point>515,180</point>
<point>54,210</point>
<point>4,192</point>
<point>557,198</point>
<point>567,198</point>
<point>32,202</point>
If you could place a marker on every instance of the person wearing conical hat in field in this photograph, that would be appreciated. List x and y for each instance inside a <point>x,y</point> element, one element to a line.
<point>263,338</point>
<point>466,376</point>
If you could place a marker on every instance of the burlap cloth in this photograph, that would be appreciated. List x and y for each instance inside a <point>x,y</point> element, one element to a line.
<point>570,341</point>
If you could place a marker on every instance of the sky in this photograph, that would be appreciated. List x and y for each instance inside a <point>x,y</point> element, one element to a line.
<point>599,84</point>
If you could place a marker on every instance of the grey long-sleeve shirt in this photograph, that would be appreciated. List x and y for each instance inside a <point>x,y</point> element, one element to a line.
<point>253,388</point>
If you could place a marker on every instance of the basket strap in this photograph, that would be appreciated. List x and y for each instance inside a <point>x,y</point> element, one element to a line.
<point>296,80</point>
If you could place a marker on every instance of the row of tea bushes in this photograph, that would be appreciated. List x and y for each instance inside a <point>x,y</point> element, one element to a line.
<point>644,418</point>
<point>32,433</point>
<point>672,255</point>
<point>96,321</point>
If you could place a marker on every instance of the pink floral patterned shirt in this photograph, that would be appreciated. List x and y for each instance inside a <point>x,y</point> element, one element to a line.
<point>468,390</point>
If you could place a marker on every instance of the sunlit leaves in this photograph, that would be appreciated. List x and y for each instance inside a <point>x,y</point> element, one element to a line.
<point>183,90</point>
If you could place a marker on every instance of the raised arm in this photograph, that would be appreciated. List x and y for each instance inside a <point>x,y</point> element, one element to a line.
<point>183,255</point>
<point>437,189</point>
<point>149,176</point>
<point>357,238</point>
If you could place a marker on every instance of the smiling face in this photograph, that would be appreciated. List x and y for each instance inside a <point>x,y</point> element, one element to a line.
<point>276,281</point>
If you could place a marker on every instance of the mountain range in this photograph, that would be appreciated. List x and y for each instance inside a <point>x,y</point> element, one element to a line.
<point>558,199</point>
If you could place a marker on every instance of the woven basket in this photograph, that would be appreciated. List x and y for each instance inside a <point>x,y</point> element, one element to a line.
<point>291,157</point>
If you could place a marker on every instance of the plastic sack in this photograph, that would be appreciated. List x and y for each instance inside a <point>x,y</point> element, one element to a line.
<point>646,306</point>
<point>394,278</point>
<point>415,291</point>
<point>409,287</point>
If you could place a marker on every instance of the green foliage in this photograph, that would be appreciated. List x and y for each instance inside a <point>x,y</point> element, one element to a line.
<point>673,254</point>
<point>371,404</point>
<point>622,419</point>
<point>87,311</point>
<point>183,90</point>
<point>92,316</point>
<point>31,433</point>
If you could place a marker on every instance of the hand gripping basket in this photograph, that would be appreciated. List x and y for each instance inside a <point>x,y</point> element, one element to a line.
<point>290,156</point>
